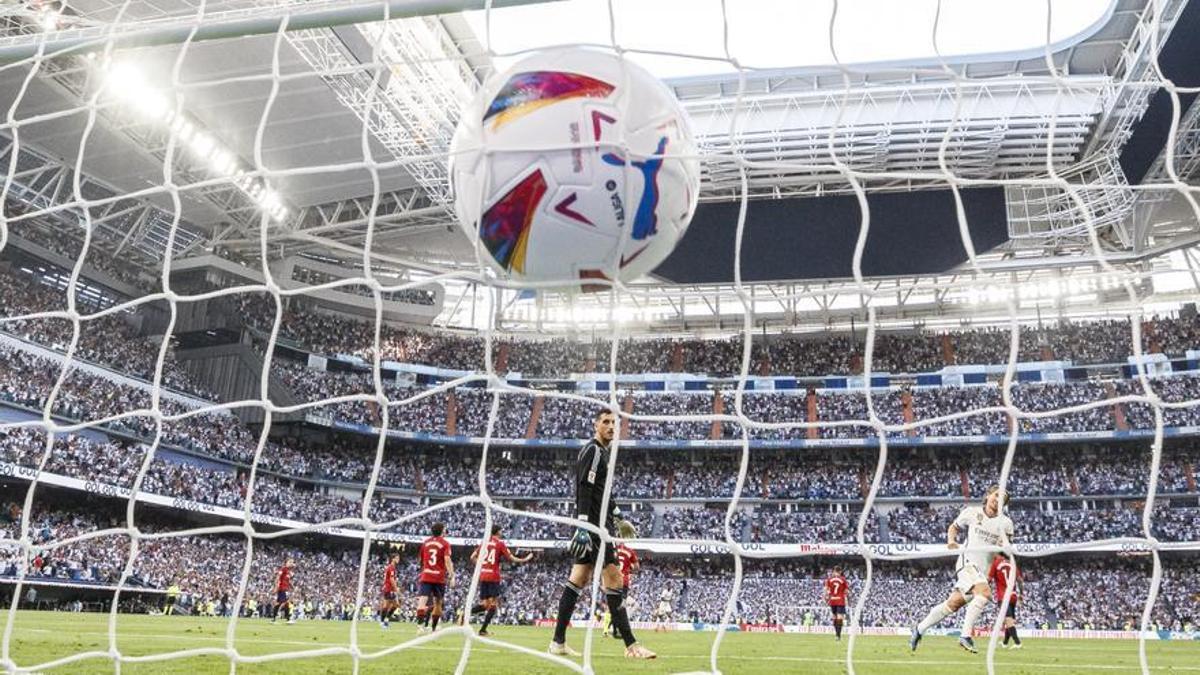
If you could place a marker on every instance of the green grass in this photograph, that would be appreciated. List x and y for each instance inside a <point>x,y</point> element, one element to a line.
<point>39,637</point>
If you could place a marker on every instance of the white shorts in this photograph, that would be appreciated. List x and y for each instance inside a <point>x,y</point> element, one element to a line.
<point>663,610</point>
<point>969,576</point>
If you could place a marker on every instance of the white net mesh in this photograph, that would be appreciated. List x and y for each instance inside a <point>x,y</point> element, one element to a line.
<point>405,81</point>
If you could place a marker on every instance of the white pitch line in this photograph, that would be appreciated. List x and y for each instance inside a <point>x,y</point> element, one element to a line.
<point>1015,664</point>
<point>697,656</point>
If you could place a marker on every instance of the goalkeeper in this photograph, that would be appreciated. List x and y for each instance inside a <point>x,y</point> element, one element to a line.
<point>591,479</point>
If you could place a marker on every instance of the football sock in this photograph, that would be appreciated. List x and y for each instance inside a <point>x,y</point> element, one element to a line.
<point>620,617</point>
<point>437,616</point>
<point>1016,639</point>
<point>1007,635</point>
<point>974,609</point>
<point>566,607</point>
<point>837,627</point>
<point>939,612</point>
<point>487,618</point>
<point>422,617</point>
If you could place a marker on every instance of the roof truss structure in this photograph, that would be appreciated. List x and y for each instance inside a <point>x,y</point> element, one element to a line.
<point>998,121</point>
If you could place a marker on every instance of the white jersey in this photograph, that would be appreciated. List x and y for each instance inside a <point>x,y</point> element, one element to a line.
<point>982,531</point>
<point>664,603</point>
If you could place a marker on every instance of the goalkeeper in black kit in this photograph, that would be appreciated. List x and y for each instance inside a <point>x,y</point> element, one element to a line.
<point>591,479</point>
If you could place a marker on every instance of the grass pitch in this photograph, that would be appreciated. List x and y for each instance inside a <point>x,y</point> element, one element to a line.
<point>42,637</point>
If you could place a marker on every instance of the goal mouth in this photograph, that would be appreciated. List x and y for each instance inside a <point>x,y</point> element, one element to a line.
<point>247,316</point>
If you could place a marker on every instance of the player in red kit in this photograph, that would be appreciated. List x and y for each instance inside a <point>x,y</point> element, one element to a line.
<point>390,590</point>
<point>437,570</point>
<point>836,588</point>
<point>627,560</point>
<point>283,586</point>
<point>494,552</point>
<point>1001,571</point>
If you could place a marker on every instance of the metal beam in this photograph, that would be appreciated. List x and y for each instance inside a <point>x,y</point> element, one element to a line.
<point>791,144</point>
<point>1135,77</point>
<point>256,20</point>
<point>42,192</point>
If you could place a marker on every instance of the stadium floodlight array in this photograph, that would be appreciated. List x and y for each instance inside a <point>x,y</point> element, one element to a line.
<point>78,51</point>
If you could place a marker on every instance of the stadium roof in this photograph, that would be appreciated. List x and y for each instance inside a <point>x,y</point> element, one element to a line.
<point>887,121</point>
<point>786,36</point>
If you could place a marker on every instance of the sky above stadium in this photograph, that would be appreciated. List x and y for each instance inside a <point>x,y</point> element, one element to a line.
<point>790,34</point>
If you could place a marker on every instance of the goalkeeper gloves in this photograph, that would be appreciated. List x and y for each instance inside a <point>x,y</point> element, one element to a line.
<point>581,541</point>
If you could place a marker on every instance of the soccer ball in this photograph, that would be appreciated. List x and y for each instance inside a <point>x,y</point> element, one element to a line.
<point>574,165</point>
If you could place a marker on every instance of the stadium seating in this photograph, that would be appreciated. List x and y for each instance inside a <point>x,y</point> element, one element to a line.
<point>208,568</point>
<point>1075,491</point>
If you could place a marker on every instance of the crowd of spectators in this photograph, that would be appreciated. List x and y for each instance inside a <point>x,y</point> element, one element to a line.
<point>672,405</point>
<point>113,341</point>
<point>68,245</point>
<point>414,296</point>
<point>1058,591</point>
<point>812,476</point>
<point>768,408</point>
<point>1039,471</point>
<point>1179,395</point>
<point>27,380</point>
<point>846,407</point>
<point>335,334</point>
<point>832,527</point>
<point>117,463</point>
<point>967,403</point>
<point>110,340</point>
<point>972,410</point>
<point>289,483</point>
<point>803,355</point>
<point>1039,398</point>
<point>204,458</point>
<point>926,524</point>
<point>570,417</point>
<point>1105,341</point>
<point>716,476</point>
<point>474,407</point>
<point>698,523</point>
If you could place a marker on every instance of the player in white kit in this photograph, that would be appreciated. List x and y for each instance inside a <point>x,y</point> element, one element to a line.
<point>986,526</point>
<point>662,613</point>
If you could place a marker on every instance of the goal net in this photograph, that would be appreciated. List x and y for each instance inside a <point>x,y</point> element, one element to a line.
<point>190,187</point>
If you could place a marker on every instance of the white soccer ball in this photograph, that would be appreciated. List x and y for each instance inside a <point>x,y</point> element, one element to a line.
<point>574,165</point>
